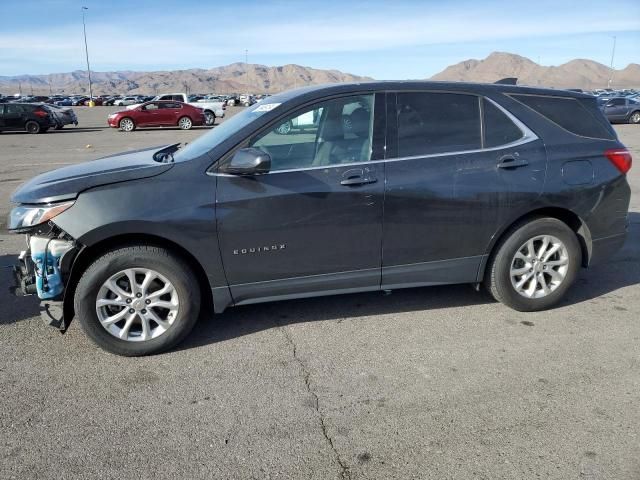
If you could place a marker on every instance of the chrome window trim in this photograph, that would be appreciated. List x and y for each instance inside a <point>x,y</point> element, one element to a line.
<point>527,136</point>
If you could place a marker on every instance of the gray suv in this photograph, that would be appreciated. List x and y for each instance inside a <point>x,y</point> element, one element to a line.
<point>388,185</point>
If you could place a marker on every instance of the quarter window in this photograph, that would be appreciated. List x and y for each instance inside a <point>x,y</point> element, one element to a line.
<point>570,114</point>
<point>430,123</point>
<point>333,132</point>
<point>498,127</point>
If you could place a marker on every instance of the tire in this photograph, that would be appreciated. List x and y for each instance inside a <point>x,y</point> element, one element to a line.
<point>126,124</point>
<point>44,130</point>
<point>32,127</point>
<point>505,260</point>
<point>209,118</point>
<point>129,341</point>
<point>59,127</point>
<point>634,118</point>
<point>285,128</point>
<point>185,123</point>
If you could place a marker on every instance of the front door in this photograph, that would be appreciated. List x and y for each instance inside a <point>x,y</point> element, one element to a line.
<point>313,224</point>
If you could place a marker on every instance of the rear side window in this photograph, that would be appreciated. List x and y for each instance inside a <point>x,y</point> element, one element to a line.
<point>498,127</point>
<point>430,123</point>
<point>568,113</point>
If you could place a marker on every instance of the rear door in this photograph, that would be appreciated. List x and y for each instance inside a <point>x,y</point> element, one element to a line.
<point>14,116</point>
<point>451,184</point>
<point>313,224</point>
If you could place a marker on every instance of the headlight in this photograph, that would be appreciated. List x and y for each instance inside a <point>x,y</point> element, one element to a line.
<point>25,216</point>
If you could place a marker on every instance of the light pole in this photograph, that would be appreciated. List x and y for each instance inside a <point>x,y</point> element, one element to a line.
<point>613,52</point>
<point>86,51</point>
<point>246,66</point>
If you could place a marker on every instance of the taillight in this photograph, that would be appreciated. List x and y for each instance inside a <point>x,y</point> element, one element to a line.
<point>40,113</point>
<point>620,157</point>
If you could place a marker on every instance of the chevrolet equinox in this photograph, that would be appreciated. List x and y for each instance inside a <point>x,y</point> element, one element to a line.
<point>327,190</point>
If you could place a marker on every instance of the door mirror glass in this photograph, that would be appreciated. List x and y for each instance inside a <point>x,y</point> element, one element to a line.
<point>248,161</point>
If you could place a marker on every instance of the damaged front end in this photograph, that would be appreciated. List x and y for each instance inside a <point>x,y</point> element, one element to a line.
<point>44,268</point>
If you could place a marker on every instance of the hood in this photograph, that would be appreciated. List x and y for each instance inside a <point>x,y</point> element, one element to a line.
<point>67,182</point>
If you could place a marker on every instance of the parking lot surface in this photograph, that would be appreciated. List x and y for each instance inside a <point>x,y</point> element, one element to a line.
<point>436,382</point>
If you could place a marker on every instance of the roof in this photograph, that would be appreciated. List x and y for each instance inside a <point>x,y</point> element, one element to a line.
<point>408,85</point>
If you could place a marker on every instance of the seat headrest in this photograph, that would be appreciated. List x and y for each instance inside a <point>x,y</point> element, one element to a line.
<point>359,122</point>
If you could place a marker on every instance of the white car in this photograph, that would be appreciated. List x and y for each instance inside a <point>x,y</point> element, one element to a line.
<point>121,102</point>
<point>212,110</point>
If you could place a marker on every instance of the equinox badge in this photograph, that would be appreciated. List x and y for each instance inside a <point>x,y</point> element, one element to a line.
<point>245,251</point>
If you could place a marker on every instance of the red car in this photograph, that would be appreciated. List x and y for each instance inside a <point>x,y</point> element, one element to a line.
<point>157,114</point>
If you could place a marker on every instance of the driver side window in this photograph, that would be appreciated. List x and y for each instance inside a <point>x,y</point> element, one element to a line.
<point>329,133</point>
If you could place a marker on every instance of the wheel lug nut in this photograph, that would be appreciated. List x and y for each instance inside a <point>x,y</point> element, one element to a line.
<point>143,311</point>
<point>138,295</point>
<point>128,300</point>
<point>147,302</point>
<point>131,310</point>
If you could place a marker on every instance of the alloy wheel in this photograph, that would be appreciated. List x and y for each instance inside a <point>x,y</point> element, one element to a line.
<point>137,304</point>
<point>185,123</point>
<point>539,266</point>
<point>635,118</point>
<point>209,118</point>
<point>126,125</point>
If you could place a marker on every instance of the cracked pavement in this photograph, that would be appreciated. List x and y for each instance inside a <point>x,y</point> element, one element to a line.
<point>424,383</point>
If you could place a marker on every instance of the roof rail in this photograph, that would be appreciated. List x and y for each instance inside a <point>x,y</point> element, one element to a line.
<point>507,81</point>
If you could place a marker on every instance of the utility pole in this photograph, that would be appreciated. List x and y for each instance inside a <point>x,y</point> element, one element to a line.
<point>613,52</point>
<point>86,51</point>
<point>246,67</point>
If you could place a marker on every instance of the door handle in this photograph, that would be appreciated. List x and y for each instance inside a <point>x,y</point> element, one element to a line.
<point>512,162</point>
<point>358,176</point>
<point>357,181</point>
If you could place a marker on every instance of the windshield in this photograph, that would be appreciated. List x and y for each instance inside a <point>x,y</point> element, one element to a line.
<point>223,131</point>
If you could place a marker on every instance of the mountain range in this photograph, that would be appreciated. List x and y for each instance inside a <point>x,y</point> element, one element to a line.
<point>241,77</point>
<point>237,77</point>
<point>579,73</point>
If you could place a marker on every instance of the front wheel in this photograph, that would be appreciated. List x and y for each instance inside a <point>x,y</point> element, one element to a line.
<point>534,265</point>
<point>137,300</point>
<point>635,118</point>
<point>127,125</point>
<point>185,123</point>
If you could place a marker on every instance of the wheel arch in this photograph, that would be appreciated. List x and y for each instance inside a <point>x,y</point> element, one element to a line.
<point>568,217</point>
<point>88,253</point>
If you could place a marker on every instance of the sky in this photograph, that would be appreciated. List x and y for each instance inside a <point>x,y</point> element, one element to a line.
<point>381,39</point>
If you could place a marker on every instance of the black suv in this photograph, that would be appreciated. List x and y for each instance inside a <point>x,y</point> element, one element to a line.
<point>380,186</point>
<point>34,118</point>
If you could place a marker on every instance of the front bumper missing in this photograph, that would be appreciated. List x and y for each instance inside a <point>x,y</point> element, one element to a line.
<point>51,311</point>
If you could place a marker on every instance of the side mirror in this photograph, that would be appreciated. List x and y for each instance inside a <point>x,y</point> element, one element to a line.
<point>248,161</point>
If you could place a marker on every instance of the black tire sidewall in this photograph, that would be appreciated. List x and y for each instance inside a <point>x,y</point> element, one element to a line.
<point>160,260</point>
<point>32,122</point>
<point>500,268</point>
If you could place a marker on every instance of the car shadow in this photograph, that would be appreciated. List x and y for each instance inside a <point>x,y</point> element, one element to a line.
<point>595,283</point>
<point>14,309</point>
<point>54,131</point>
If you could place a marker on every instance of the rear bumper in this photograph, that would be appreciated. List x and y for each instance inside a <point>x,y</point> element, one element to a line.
<point>604,248</point>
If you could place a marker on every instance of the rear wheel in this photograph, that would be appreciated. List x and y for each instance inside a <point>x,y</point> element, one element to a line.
<point>137,300</point>
<point>534,265</point>
<point>635,118</point>
<point>32,127</point>
<point>127,125</point>
<point>209,118</point>
<point>185,123</point>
